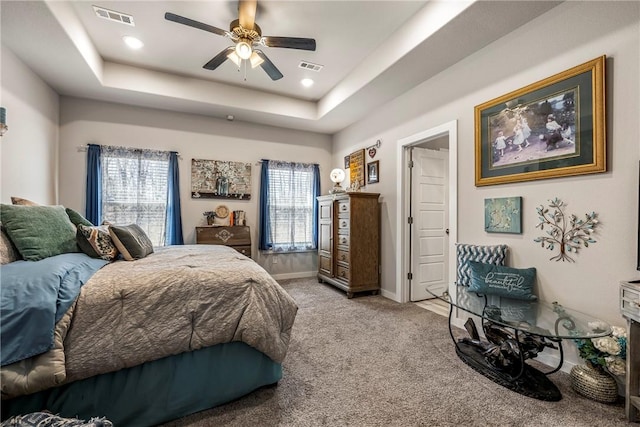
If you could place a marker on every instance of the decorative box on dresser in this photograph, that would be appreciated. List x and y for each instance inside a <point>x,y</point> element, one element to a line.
<point>630,308</point>
<point>238,237</point>
<point>349,241</point>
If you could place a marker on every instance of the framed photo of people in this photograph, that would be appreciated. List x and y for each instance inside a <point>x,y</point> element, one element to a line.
<point>551,128</point>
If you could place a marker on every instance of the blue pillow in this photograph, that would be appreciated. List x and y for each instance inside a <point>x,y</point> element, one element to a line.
<point>515,283</point>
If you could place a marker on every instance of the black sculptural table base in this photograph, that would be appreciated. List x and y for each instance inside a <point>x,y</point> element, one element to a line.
<point>502,358</point>
<point>531,383</point>
<point>515,332</point>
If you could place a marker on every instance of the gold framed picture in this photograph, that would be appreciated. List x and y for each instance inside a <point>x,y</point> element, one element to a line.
<point>551,128</point>
<point>356,168</point>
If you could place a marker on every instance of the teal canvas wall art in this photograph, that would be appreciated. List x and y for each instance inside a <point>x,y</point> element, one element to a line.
<point>503,215</point>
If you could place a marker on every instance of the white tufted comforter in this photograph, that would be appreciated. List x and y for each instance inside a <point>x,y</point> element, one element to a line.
<point>178,299</point>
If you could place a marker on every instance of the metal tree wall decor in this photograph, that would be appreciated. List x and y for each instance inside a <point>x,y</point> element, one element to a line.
<point>569,234</point>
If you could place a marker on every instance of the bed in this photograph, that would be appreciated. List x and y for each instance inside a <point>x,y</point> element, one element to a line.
<point>183,329</point>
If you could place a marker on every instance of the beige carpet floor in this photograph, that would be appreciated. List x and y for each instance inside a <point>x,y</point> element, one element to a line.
<point>369,361</point>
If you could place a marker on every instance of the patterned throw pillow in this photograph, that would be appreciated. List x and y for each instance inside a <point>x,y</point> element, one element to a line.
<point>131,241</point>
<point>44,419</point>
<point>23,202</point>
<point>486,254</point>
<point>8,252</point>
<point>514,283</point>
<point>96,242</point>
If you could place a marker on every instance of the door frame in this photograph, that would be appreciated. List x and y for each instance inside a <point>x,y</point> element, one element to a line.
<point>403,262</point>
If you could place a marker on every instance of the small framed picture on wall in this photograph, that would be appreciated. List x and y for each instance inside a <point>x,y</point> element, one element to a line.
<point>346,162</point>
<point>373,172</point>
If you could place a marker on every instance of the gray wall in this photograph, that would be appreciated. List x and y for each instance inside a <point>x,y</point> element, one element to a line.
<point>84,121</point>
<point>568,35</point>
<point>29,150</point>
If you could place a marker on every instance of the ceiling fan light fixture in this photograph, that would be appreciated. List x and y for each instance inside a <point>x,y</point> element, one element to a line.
<point>255,60</point>
<point>233,56</point>
<point>243,49</point>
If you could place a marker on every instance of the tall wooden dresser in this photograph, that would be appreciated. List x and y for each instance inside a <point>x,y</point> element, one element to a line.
<point>349,241</point>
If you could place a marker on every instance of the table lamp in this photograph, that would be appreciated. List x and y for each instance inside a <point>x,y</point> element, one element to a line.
<point>337,176</point>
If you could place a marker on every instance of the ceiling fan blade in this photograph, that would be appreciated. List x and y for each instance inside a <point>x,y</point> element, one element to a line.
<point>247,13</point>
<point>195,24</point>
<point>268,66</point>
<point>290,42</point>
<point>217,60</point>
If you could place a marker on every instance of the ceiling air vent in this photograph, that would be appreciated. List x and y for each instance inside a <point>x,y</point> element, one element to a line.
<point>310,66</point>
<point>112,15</point>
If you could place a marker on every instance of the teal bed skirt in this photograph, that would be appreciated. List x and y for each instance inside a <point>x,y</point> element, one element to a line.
<point>159,391</point>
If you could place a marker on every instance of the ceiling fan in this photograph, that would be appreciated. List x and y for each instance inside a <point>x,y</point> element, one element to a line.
<point>247,36</point>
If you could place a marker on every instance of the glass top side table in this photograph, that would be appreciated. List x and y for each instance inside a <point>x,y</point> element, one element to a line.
<point>515,331</point>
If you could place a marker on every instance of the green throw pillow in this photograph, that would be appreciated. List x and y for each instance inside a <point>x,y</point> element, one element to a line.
<point>131,241</point>
<point>77,219</point>
<point>515,283</point>
<point>39,232</point>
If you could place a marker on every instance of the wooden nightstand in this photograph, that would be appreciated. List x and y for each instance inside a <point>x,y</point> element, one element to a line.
<point>238,237</point>
<point>630,308</point>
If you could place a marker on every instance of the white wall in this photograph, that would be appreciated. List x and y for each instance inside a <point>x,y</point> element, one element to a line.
<point>29,149</point>
<point>84,121</point>
<point>568,35</point>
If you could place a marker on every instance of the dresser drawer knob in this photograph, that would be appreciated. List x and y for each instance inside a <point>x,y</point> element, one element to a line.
<point>343,224</point>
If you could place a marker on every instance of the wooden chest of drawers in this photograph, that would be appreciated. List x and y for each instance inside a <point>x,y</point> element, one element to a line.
<point>237,237</point>
<point>349,241</point>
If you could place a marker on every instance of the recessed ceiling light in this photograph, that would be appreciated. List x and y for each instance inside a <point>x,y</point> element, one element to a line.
<point>306,82</point>
<point>132,42</point>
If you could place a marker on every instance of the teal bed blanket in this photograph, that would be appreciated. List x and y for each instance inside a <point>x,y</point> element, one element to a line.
<point>34,296</point>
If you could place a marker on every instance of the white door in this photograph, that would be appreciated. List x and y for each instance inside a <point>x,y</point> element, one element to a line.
<point>429,232</point>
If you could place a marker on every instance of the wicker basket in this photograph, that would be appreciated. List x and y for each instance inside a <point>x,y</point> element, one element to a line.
<point>594,383</point>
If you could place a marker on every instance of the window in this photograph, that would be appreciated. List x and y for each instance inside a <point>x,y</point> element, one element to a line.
<point>288,211</point>
<point>133,186</point>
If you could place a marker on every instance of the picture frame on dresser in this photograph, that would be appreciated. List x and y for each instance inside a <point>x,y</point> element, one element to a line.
<point>357,168</point>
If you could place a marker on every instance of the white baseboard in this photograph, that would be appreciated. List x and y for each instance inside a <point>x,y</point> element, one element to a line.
<point>388,294</point>
<point>297,275</point>
<point>435,305</point>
